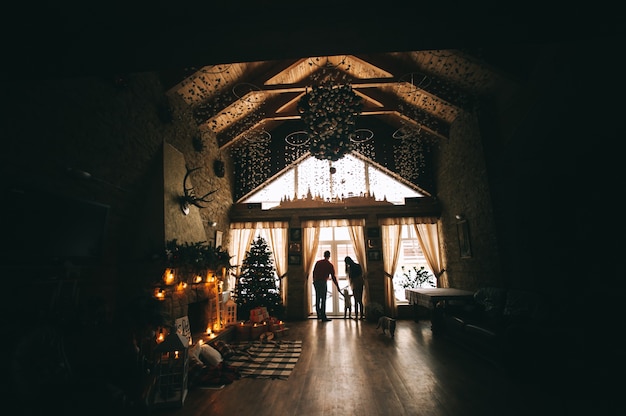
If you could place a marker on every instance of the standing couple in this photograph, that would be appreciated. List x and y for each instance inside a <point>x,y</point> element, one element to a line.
<point>325,270</point>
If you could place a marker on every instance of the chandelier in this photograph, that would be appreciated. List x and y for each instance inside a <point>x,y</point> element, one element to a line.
<point>329,113</point>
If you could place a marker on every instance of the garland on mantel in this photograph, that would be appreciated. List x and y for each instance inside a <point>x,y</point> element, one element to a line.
<point>196,257</point>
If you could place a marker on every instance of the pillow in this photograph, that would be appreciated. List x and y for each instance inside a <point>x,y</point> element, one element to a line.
<point>524,305</point>
<point>491,299</point>
<point>210,355</point>
<point>194,355</point>
<point>226,350</point>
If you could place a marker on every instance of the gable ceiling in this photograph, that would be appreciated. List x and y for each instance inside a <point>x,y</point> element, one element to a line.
<point>242,66</point>
<point>405,96</point>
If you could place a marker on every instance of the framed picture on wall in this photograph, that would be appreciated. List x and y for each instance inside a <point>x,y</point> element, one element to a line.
<point>464,241</point>
<point>373,232</point>
<point>218,238</point>
<point>295,248</point>
<point>182,326</point>
<point>295,234</point>
<point>374,255</point>
<point>295,259</point>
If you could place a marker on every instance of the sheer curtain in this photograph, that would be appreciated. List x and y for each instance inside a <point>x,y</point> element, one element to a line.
<point>428,237</point>
<point>310,242</point>
<point>427,230</point>
<point>357,236</point>
<point>391,249</point>
<point>278,245</point>
<point>241,236</point>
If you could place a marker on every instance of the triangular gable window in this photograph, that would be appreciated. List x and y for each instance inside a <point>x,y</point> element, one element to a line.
<point>345,178</point>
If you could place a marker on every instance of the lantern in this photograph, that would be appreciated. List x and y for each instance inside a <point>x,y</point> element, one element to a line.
<point>230,312</point>
<point>171,364</point>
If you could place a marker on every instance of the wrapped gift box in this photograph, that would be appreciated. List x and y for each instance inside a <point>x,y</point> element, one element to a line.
<point>259,314</point>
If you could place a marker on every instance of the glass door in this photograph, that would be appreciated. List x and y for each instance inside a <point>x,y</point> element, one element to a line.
<point>337,241</point>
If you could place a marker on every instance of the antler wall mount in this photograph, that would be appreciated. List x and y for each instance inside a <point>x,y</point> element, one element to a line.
<point>189,196</point>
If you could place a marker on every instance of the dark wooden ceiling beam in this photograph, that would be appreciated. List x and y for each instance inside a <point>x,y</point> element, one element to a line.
<point>438,87</point>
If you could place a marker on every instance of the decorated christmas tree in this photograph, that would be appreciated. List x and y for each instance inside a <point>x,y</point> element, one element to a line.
<point>257,284</point>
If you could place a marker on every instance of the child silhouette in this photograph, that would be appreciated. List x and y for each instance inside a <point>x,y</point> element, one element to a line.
<point>347,311</point>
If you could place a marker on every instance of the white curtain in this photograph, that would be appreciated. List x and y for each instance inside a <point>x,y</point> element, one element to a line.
<point>241,235</point>
<point>310,242</point>
<point>391,249</point>
<point>278,245</point>
<point>357,236</point>
<point>428,237</point>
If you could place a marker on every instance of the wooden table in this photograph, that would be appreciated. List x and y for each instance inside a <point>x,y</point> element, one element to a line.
<point>435,299</point>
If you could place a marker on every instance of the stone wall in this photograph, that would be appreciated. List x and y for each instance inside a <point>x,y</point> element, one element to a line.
<point>463,189</point>
<point>102,139</point>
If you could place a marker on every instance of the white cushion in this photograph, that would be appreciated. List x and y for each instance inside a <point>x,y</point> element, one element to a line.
<point>210,355</point>
<point>194,355</point>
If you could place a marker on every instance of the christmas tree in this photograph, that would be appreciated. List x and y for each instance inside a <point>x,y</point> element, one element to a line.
<point>257,284</point>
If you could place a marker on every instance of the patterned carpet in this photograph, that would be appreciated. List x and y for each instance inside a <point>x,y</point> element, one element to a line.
<point>272,359</point>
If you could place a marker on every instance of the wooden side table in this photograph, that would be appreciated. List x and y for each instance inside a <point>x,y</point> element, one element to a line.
<point>430,297</point>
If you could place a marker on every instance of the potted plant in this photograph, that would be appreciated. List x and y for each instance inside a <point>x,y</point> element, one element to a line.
<point>417,277</point>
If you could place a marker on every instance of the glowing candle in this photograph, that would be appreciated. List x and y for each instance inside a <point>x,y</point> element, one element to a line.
<point>169,276</point>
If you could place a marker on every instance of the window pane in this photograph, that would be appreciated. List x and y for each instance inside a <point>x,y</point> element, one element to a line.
<point>410,256</point>
<point>341,233</point>
<point>326,233</point>
<point>313,176</point>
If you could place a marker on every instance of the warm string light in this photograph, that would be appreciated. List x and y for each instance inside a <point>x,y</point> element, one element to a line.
<point>169,276</point>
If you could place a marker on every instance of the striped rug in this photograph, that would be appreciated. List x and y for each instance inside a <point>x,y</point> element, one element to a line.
<point>272,359</point>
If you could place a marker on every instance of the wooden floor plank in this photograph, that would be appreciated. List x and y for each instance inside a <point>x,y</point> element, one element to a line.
<point>349,367</point>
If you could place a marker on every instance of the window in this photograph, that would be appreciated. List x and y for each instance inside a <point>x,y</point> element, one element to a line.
<point>410,255</point>
<point>351,177</point>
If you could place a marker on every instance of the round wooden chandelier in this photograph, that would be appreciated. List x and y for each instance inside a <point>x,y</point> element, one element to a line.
<point>329,112</point>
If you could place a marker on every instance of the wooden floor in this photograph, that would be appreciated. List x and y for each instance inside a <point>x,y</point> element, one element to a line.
<point>348,367</point>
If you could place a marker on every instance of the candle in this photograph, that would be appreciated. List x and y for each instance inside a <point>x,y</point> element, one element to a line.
<point>169,276</point>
